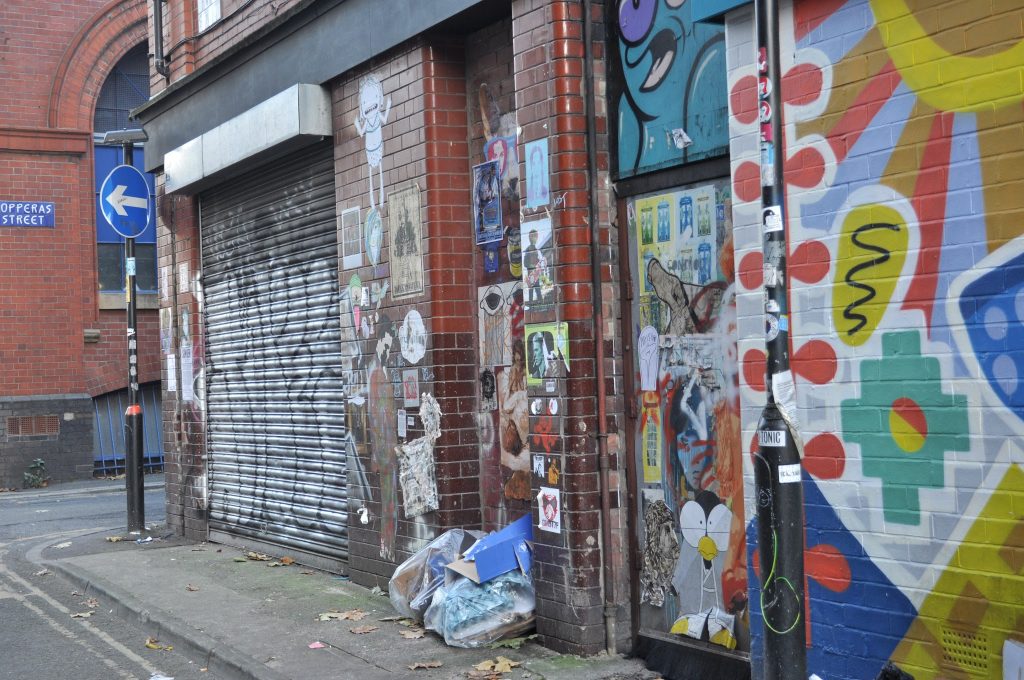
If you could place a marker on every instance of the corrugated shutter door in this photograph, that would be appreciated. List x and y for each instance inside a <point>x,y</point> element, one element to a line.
<point>275,396</point>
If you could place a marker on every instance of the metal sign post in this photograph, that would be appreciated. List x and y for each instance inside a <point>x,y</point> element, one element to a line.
<point>777,468</point>
<point>124,200</point>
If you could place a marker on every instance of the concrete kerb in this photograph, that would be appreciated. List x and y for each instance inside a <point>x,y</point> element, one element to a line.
<point>219,658</point>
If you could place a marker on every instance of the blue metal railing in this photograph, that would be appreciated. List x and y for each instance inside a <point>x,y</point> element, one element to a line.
<point>108,431</point>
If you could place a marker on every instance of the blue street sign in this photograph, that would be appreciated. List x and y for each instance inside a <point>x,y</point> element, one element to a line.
<point>124,200</point>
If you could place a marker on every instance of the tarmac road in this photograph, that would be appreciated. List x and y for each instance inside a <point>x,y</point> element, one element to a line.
<point>40,639</point>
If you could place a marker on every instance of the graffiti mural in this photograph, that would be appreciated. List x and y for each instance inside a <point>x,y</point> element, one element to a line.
<point>906,239</point>
<point>688,439</point>
<point>672,106</point>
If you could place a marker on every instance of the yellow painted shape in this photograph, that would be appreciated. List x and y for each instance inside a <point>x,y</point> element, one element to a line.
<point>681,626</point>
<point>978,595</point>
<point>947,81</point>
<point>904,434</point>
<point>869,259</point>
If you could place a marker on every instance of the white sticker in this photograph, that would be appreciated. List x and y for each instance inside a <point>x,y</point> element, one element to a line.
<point>784,392</point>
<point>773,438</point>
<point>771,328</point>
<point>771,217</point>
<point>789,473</point>
<point>402,423</point>
<point>129,266</point>
<point>172,373</point>
<point>183,278</point>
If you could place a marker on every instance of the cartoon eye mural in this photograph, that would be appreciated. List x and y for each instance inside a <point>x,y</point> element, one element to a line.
<point>636,17</point>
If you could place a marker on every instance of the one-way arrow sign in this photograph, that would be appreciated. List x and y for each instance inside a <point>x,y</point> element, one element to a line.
<point>124,200</point>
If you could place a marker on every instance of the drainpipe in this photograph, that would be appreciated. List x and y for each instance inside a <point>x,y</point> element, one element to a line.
<point>596,284</point>
<point>159,62</point>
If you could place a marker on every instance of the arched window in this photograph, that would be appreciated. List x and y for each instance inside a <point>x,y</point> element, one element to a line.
<point>125,88</point>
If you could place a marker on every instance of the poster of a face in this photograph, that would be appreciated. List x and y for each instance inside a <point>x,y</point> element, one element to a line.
<point>406,242</point>
<point>547,351</point>
<point>538,192</point>
<point>487,202</point>
<point>503,150</point>
<point>538,262</point>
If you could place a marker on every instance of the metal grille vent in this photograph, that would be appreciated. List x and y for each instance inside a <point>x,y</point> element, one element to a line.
<point>30,426</point>
<point>966,651</point>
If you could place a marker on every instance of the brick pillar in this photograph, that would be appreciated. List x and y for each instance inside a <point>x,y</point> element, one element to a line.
<point>449,270</point>
<point>550,101</point>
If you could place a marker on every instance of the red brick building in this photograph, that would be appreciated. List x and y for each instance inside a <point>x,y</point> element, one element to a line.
<point>72,72</point>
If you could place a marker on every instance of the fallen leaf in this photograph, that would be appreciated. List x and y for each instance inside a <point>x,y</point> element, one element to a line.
<point>191,588</point>
<point>350,615</point>
<point>65,544</point>
<point>153,643</point>
<point>258,557</point>
<point>505,665</point>
<point>316,645</point>
<point>92,603</point>
<point>408,623</point>
<point>511,643</point>
<point>43,572</point>
<point>306,572</point>
<point>376,591</point>
<point>424,664</point>
<point>274,564</point>
<point>412,633</point>
<point>392,618</point>
<point>485,665</point>
<point>484,675</point>
<point>82,615</point>
<point>241,559</point>
<point>116,539</point>
<point>287,560</point>
<point>362,630</point>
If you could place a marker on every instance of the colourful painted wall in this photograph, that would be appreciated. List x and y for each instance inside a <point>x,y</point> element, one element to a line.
<point>904,126</point>
<point>671,85</point>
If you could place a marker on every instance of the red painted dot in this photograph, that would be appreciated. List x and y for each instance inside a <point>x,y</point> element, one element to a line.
<point>828,566</point>
<point>815,361</point>
<point>802,84</point>
<point>805,168</point>
<point>751,271</point>
<point>824,456</point>
<point>743,100</point>
<point>754,369</point>
<point>810,262</point>
<point>746,181</point>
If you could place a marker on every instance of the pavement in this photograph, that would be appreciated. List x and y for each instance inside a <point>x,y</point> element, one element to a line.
<point>256,619</point>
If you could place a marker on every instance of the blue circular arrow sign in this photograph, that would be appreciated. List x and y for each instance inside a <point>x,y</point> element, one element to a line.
<point>124,200</point>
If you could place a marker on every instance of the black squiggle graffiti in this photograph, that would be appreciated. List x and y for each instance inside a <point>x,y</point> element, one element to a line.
<point>850,313</point>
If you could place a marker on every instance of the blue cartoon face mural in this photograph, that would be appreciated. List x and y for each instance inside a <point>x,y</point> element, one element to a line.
<point>673,105</point>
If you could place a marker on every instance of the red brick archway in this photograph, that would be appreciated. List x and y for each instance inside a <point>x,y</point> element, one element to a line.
<point>89,59</point>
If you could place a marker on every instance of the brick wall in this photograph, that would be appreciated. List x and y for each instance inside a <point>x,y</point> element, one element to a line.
<point>186,48</point>
<point>548,61</point>
<point>904,224</point>
<point>56,60</point>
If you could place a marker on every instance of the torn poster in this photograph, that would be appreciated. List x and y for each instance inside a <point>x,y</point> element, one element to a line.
<point>416,462</point>
<point>406,241</point>
<point>660,553</point>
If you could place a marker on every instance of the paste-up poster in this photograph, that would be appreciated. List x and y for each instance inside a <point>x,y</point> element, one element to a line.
<point>503,150</point>
<point>350,239</point>
<point>547,351</point>
<point>406,242</point>
<point>538,191</point>
<point>487,203</point>
<point>549,502</point>
<point>538,263</point>
<point>500,317</point>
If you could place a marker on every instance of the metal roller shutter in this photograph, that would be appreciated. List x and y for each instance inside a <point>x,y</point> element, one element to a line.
<point>274,389</point>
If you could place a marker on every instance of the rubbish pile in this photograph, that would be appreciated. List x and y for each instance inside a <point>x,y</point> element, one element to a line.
<point>470,588</point>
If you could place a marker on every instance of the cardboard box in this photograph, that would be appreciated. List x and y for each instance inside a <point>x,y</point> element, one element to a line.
<point>498,553</point>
